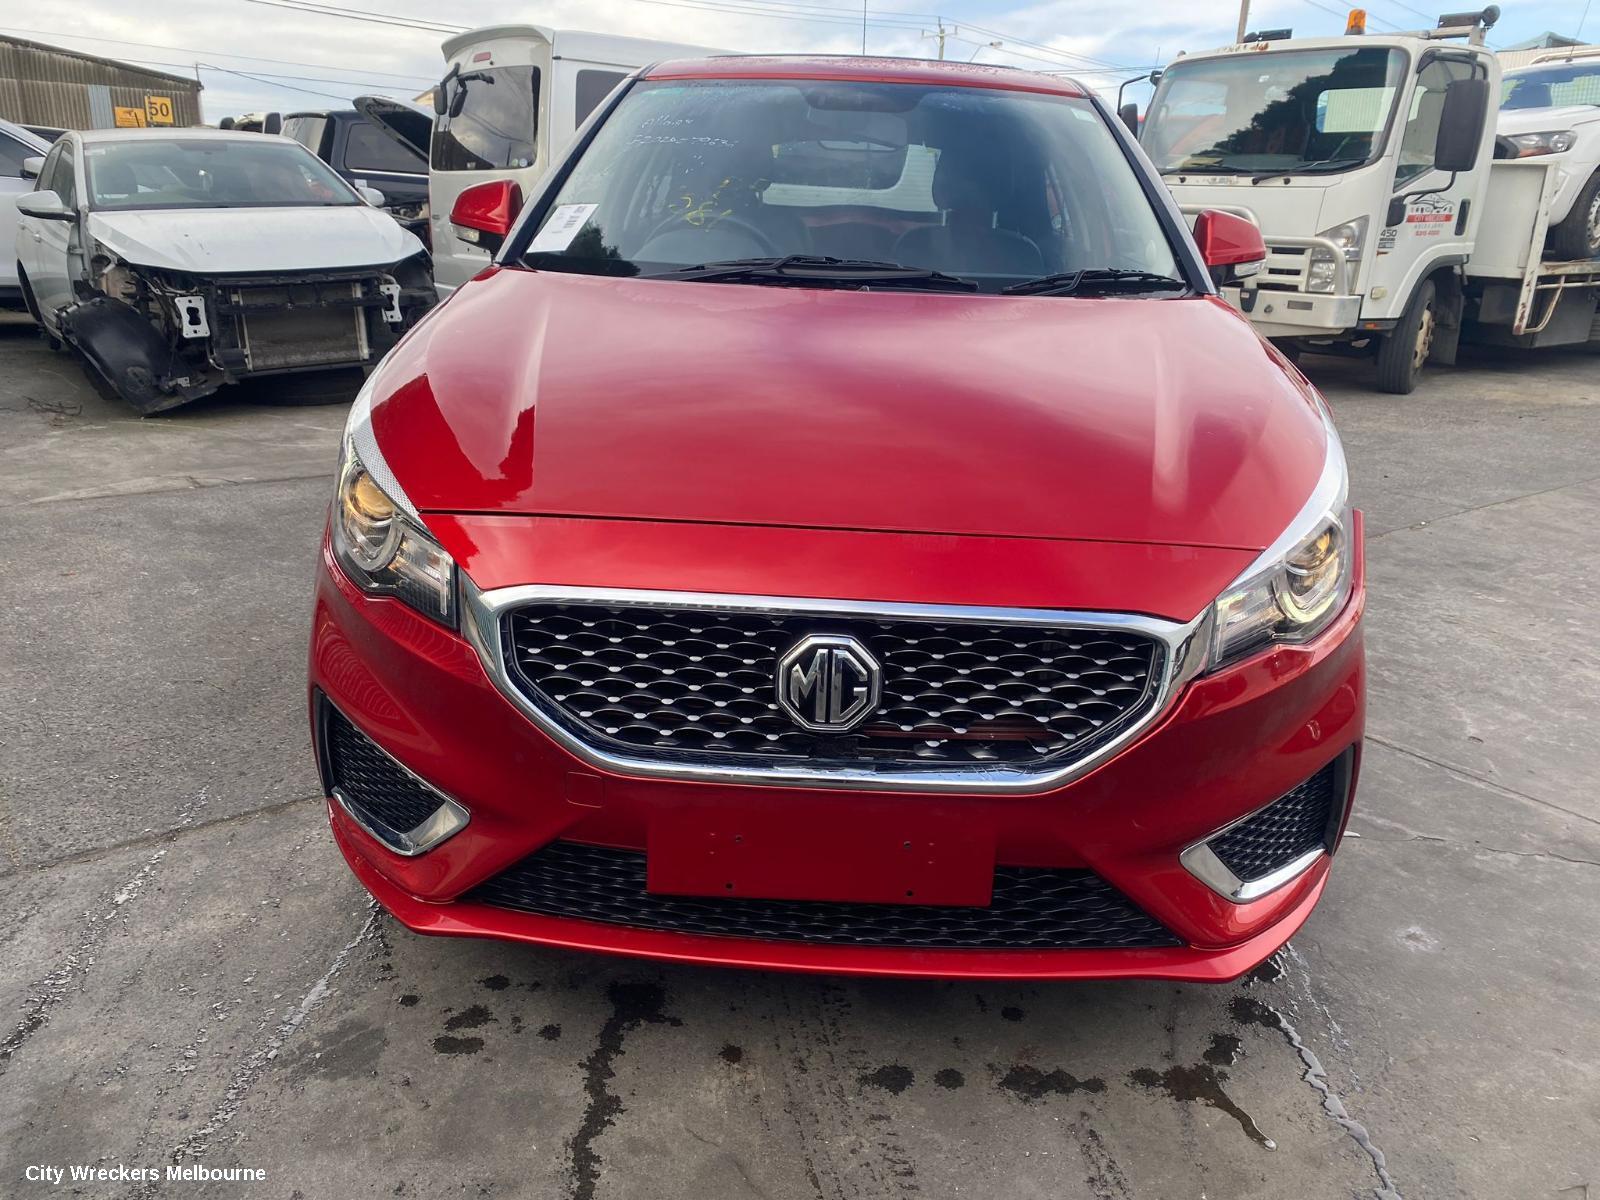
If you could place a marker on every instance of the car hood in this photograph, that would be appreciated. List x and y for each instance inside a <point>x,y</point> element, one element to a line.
<point>1542,120</point>
<point>1164,421</point>
<point>227,241</point>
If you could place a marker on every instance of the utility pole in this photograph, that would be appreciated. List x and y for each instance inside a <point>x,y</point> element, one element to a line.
<point>1244,19</point>
<point>863,26</point>
<point>941,34</point>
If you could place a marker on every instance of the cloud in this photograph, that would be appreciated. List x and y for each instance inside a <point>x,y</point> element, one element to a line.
<point>1104,41</point>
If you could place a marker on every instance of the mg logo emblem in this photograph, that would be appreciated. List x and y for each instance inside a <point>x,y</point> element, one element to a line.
<point>828,684</point>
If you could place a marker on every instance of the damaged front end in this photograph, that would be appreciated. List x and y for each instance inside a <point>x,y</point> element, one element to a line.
<point>162,338</point>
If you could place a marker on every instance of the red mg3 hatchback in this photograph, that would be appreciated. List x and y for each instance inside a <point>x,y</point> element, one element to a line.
<point>845,530</point>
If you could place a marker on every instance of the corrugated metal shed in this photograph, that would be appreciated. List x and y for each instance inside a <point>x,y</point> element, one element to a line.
<point>46,85</point>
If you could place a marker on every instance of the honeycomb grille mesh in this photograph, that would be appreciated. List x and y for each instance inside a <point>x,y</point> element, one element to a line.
<point>1296,822</point>
<point>701,685</point>
<point>371,781</point>
<point>1033,908</point>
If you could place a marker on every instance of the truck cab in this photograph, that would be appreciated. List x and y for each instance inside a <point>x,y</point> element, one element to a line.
<point>1363,159</point>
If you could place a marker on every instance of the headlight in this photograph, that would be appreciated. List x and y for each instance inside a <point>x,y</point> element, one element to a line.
<point>1348,237</point>
<point>1531,145</point>
<point>377,537</point>
<point>1300,583</point>
<point>1323,273</point>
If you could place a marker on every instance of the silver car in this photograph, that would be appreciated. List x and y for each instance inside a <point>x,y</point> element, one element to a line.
<point>175,261</point>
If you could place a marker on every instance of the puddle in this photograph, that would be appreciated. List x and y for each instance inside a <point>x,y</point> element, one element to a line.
<point>1202,1083</point>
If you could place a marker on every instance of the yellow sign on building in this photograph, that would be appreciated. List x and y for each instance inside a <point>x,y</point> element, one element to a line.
<point>128,118</point>
<point>158,110</point>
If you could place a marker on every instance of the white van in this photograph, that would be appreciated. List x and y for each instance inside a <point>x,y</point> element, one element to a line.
<point>510,100</point>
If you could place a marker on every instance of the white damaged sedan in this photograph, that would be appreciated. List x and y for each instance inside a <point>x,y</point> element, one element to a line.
<point>175,261</point>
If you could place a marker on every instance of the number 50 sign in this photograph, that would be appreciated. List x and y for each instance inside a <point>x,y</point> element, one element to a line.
<point>158,110</point>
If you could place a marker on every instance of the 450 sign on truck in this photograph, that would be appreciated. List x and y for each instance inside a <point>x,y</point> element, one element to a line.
<point>1396,223</point>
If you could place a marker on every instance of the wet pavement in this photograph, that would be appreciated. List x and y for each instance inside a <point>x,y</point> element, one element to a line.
<point>189,974</point>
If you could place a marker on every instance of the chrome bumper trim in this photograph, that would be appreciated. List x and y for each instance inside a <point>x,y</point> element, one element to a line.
<point>1205,866</point>
<point>1184,653</point>
<point>1202,862</point>
<point>449,819</point>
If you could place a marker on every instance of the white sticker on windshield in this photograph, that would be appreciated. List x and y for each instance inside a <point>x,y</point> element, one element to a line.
<point>561,228</point>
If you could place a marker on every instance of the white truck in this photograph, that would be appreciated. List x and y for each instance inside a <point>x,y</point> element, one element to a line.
<point>1396,223</point>
<point>511,98</point>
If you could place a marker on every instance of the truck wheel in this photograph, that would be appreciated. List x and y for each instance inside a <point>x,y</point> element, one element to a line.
<point>1579,235</point>
<point>1402,354</point>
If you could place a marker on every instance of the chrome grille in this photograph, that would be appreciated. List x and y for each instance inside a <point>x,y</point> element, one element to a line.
<point>698,685</point>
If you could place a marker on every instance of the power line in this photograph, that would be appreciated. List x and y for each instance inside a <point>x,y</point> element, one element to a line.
<point>83,37</point>
<point>324,10</point>
<point>731,6</point>
<point>1011,40</point>
<point>358,84</point>
<point>274,83</point>
<point>789,10</point>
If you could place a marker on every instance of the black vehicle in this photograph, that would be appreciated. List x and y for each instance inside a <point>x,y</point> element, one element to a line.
<point>368,156</point>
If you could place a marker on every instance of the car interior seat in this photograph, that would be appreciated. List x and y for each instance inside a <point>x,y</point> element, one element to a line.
<point>971,188</point>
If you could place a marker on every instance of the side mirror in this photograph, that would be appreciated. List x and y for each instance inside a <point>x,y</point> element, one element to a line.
<point>484,213</point>
<point>272,123</point>
<point>372,196</point>
<point>1230,246</point>
<point>438,97</point>
<point>32,165</point>
<point>1129,115</point>
<point>1466,108</point>
<point>47,206</point>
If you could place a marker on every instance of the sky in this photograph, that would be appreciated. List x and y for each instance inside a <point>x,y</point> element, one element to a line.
<point>257,55</point>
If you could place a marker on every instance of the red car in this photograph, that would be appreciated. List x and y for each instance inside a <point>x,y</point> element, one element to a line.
<point>845,531</point>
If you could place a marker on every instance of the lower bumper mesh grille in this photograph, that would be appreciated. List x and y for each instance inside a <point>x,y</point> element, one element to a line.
<point>372,783</point>
<point>1033,908</point>
<point>1298,821</point>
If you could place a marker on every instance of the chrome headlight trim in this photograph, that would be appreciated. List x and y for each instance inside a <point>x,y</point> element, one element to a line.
<point>1327,505</point>
<point>359,437</point>
<point>414,568</point>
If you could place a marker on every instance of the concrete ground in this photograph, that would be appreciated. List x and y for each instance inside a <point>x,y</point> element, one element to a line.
<point>188,972</point>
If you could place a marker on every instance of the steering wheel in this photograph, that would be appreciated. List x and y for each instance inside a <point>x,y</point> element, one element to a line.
<point>676,224</point>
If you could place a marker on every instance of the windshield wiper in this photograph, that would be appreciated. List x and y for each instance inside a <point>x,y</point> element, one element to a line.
<point>1311,168</point>
<point>802,270</point>
<point>1213,169</point>
<point>1095,279</point>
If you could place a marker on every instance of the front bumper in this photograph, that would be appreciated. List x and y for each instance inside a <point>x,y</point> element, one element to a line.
<point>1283,314</point>
<point>1230,744</point>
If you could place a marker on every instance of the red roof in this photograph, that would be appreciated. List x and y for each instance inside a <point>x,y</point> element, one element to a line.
<point>870,70</point>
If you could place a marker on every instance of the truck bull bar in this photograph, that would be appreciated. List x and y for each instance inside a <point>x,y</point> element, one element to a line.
<point>1341,273</point>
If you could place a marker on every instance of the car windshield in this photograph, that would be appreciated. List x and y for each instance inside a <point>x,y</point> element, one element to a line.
<point>210,173</point>
<point>1279,112</point>
<point>1554,86</point>
<point>990,185</point>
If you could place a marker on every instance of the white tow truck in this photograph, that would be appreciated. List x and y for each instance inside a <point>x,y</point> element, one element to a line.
<point>1397,225</point>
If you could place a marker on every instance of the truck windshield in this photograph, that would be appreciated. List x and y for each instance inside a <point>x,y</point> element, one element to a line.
<point>990,185</point>
<point>490,122</point>
<point>1278,112</point>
